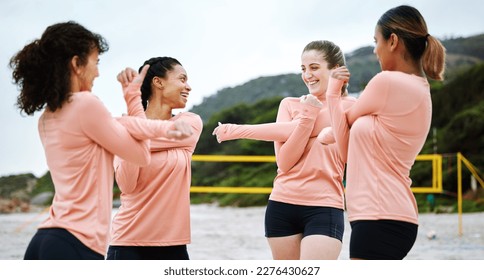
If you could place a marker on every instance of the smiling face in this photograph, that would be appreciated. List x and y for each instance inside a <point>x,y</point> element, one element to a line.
<point>175,88</point>
<point>315,72</point>
<point>89,72</point>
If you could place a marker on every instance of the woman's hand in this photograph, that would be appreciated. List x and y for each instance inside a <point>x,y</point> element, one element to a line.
<point>180,130</point>
<point>341,73</point>
<point>311,100</point>
<point>219,131</point>
<point>129,75</point>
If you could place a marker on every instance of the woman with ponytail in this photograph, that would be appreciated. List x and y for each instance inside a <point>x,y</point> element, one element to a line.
<point>153,221</point>
<point>382,133</point>
<point>80,137</point>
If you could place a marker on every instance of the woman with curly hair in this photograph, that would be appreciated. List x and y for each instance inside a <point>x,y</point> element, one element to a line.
<point>80,137</point>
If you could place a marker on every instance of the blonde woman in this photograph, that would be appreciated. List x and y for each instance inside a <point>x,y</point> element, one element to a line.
<point>305,213</point>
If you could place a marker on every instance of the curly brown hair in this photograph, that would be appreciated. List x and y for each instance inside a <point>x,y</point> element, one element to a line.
<point>41,69</point>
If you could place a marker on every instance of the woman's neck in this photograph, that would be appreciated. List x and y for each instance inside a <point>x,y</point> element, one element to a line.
<point>158,112</point>
<point>410,67</point>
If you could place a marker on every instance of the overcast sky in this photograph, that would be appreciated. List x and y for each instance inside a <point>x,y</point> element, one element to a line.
<point>221,43</point>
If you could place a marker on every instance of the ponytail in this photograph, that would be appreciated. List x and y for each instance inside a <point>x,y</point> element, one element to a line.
<point>410,26</point>
<point>159,67</point>
<point>41,69</point>
<point>433,59</point>
<point>28,73</point>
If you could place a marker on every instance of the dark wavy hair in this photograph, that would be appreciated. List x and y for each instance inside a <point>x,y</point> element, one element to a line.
<point>41,69</point>
<point>159,66</point>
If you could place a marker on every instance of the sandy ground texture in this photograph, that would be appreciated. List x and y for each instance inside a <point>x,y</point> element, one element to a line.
<point>238,234</point>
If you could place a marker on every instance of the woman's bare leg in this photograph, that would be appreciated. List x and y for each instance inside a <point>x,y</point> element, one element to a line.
<point>285,248</point>
<point>320,247</point>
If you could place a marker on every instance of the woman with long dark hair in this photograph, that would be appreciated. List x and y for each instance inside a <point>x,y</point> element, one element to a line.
<point>80,137</point>
<point>383,132</point>
<point>153,221</point>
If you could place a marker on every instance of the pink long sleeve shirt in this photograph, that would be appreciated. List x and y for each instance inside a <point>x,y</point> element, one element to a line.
<point>389,124</point>
<point>309,173</point>
<point>80,140</point>
<point>155,199</point>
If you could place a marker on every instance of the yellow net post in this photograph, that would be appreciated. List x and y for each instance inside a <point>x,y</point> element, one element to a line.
<point>461,159</point>
<point>435,188</point>
<point>459,191</point>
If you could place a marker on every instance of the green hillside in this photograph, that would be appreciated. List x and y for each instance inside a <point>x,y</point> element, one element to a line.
<point>462,53</point>
<point>458,119</point>
<point>251,92</point>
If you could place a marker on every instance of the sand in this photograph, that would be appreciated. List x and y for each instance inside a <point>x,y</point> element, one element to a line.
<point>227,233</point>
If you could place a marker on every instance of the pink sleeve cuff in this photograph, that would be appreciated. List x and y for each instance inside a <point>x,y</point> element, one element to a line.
<point>311,111</point>
<point>132,96</point>
<point>334,87</point>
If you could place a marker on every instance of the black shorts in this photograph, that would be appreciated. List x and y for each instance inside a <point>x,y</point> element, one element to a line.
<point>381,239</point>
<point>58,244</point>
<point>178,252</point>
<point>283,219</point>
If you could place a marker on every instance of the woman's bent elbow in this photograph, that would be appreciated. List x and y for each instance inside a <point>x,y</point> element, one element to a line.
<point>284,167</point>
<point>145,159</point>
<point>139,157</point>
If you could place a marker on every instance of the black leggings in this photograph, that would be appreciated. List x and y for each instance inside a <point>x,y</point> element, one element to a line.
<point>381,239</point>
<point>58,244</point>
<point>284,219</point>
<point>148,252</point>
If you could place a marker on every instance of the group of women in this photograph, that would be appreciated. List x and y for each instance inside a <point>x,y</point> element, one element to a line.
<point>319,138</point>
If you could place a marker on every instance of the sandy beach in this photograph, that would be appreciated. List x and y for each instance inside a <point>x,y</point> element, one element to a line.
<point>227,233</point>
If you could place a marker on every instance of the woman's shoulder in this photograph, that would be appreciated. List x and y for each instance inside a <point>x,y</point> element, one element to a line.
<point>290,100</point>
<point>85,96</point>
<point>189,117</point>
<point>383,76</point>
<point>87,100</point>
<point>383,80</point>
<point>395,77</point>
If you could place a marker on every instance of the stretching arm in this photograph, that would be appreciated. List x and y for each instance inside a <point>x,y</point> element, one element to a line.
<point>278,131</point>
<point>339,123</point>
<point>289,153</point>
<point>189,143</point>
<point>126,174</point>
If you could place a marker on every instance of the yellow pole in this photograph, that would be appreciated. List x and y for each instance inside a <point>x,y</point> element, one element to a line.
<point>459,190</point>
<point>473,170</point>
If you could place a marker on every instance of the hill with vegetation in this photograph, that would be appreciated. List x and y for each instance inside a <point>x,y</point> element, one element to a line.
<point>458,122</point>
<point>462,53</point>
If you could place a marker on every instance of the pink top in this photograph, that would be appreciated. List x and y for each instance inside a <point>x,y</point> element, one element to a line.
<point>79,142</point>
<point>309,173</point>
<point>155,199</point>
<point>389,124</point>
